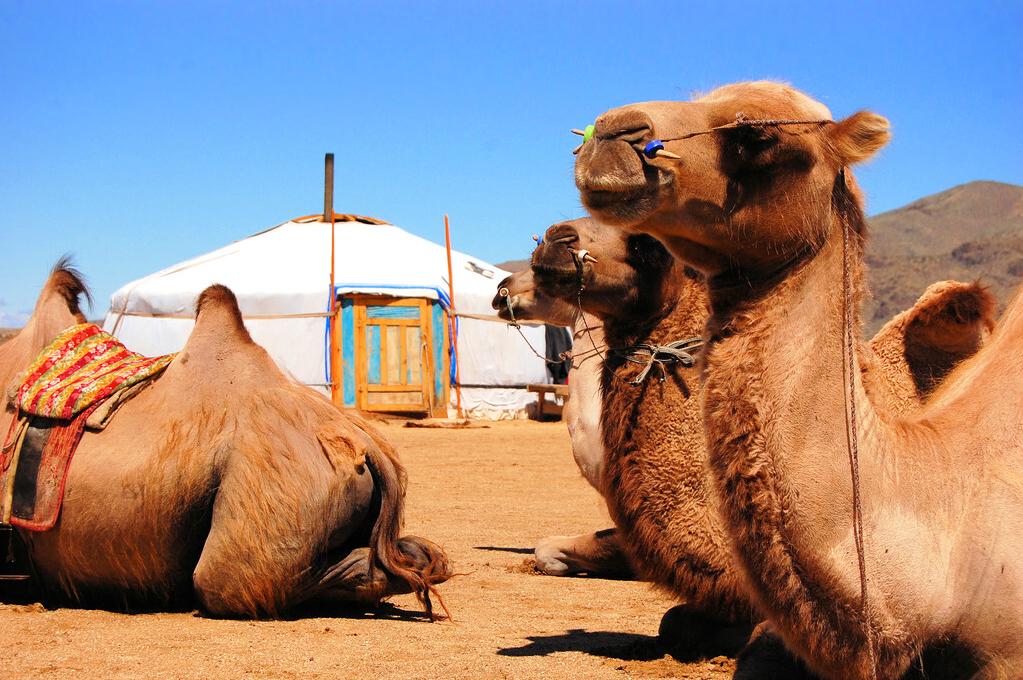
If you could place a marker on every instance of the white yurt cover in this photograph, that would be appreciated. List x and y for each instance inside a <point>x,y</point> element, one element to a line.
<point>281,277</point>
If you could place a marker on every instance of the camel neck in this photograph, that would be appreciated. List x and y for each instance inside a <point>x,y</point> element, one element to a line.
<point>668,298</point>
<point>775,423</point>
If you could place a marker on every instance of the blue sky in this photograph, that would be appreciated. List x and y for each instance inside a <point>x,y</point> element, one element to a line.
<point>137,134</point>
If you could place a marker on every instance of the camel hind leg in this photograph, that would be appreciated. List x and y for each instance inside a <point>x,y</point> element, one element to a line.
<point>267,540</point>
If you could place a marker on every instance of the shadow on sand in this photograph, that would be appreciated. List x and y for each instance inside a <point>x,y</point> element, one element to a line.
<point>605,644</point>
<point>498,548</point>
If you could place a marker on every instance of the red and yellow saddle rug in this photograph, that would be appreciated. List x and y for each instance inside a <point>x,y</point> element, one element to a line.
<point>82,366</point>
<point>70,379</point>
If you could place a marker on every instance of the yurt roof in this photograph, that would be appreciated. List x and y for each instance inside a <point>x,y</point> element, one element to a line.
<point>285,270</point>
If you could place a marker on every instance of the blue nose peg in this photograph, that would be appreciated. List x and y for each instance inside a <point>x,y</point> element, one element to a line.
<point>652,147</point>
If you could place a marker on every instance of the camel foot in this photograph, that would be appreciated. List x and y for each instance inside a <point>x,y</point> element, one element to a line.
<point>551,559</point>
<point>689,635</point>
<point>597,554</point>
<point>766,658</point>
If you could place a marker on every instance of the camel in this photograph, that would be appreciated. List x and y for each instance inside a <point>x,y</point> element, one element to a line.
<point>222,484</point>
<point>598,553</point>
<point>655,479</point>
<point>751,185</point>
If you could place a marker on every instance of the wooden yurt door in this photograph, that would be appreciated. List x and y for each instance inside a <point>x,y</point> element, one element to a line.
<point>393,354</point>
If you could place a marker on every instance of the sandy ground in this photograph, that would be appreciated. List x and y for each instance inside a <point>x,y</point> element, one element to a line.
<point>486,495</point>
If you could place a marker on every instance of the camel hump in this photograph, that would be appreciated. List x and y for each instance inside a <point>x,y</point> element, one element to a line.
<point>67,285</point>
<point>949,323</point>
<point>216,309</point>
<point>953,317</point>
<point>219,334</point>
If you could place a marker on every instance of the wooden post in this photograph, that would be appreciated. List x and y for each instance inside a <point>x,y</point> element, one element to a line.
<point>328,217</point>
<point>451,319</point>
<point>328,191</point>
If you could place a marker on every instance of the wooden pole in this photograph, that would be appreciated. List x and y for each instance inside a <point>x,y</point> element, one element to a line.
<point>451,318</point>
<point>328,217</point>
<point>328,191</point>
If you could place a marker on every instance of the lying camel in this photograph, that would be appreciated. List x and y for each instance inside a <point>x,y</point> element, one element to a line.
<point>655,479</point>
<point>750,184</point>
<point>598,553</point>
<point>223,484</point>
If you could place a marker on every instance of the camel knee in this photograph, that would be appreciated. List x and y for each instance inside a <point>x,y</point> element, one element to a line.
<point>214,597</point>
<point>237,591</point>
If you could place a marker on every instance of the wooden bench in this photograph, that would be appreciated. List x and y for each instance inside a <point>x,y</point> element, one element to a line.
<point>545,408</point>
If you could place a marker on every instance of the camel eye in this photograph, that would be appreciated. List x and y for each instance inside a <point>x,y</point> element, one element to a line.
<point>752,141</point>
<point>747,148</point>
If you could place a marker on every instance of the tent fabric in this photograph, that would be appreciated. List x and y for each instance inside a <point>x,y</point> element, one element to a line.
<point>281,277</point>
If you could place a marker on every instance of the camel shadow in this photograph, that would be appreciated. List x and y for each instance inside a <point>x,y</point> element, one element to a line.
<point>605,644</point>
<point>385,611</point>
<point>498,548</point>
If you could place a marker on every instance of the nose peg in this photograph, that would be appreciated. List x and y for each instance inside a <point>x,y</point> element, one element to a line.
<point>655,149</point>
<point>586,134</point>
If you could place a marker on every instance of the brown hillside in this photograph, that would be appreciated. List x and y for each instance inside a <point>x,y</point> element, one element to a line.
<point>972,231</point>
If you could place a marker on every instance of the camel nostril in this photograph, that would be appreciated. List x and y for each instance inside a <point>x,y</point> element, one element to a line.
<point>631,127</point>
<point>561,234</point>
<point>631,135</point>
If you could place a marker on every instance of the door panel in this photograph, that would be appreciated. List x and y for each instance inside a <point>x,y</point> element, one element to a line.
<point>393,354</point>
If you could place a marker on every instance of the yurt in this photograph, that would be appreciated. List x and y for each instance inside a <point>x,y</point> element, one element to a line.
<point>381,340</point>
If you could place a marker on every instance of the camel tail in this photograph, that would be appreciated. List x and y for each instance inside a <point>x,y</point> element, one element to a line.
<point>420,563</point>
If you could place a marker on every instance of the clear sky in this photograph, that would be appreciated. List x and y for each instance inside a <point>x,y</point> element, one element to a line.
<point>138,134</point>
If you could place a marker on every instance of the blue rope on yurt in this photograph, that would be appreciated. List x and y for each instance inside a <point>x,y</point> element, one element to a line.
<point>442,297</point>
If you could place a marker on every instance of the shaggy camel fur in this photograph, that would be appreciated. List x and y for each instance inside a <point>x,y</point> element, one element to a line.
<point>597,553</point>
<point>222,482</point>
<point>655,479</point>
<point>764,211</point>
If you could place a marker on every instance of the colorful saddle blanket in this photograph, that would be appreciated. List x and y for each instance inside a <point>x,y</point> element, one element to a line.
<point>82,368</point>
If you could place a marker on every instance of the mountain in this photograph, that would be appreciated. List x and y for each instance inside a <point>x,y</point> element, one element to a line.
<point>971,231</point>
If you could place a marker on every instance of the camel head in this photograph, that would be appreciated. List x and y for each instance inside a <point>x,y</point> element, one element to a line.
<point>735,197</point>
<point>620,273</point>
<point>530,303</point>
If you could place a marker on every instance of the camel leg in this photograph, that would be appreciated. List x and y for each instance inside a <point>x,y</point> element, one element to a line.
<point>269,546</point>
<point>765,656</point>
<point>693,634</point>
<point>597,554</point>
<point>356,579</point>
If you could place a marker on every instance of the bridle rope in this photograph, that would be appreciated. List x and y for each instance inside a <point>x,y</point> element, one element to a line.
<point>647,355</point>
<point>851,429</point>
<point>741,121</point>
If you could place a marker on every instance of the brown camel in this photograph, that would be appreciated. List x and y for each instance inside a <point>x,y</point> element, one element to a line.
<point>655,480</point>
<point>764,210</point>
<point>598,553</point>
<point>223,484</point>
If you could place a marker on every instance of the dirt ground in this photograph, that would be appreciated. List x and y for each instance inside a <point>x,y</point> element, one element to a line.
<point>486,495</point>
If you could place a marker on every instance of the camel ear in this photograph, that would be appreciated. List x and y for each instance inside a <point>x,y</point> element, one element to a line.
<point>859,136</point>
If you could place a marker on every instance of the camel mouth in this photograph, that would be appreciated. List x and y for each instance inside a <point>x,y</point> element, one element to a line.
<point>515,307</point>
<point>621,209</point>
<point>616,185</point>
<point>557,275</point>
